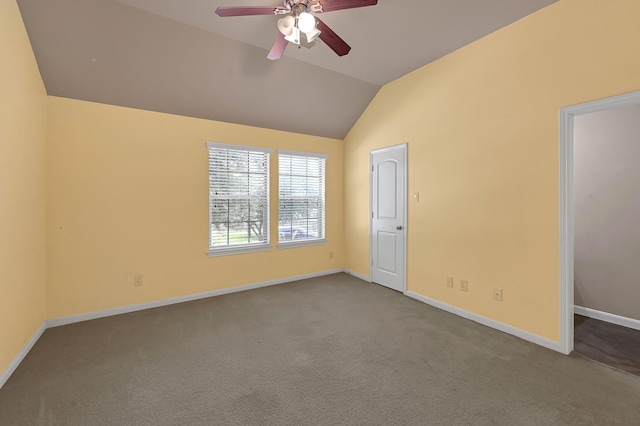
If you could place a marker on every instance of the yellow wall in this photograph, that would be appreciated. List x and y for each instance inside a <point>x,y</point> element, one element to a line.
<point>482,129</point>
<point>128,195</point>
<point>22,187</point>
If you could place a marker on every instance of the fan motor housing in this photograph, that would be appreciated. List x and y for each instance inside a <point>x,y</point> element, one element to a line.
<point>299,6</point>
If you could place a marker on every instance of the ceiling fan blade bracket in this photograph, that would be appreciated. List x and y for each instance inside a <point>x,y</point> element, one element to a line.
<point>316,7</point>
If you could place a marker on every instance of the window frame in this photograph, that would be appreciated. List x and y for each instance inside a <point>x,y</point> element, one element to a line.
<point>249,247</point>
<point>287,244</point>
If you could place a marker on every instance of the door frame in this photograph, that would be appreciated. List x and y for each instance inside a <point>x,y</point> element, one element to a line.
<point>567,213</point>
<point>404,147</point>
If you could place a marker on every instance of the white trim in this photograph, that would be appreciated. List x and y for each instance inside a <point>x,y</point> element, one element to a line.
<point>405,149</point>
<point>533,338</point>
<point>627,99</point>
<point>21,355</point>
<point>227,251</point>
<point>566,213</point>
<point>406,212</point>
<point>357,275</point>
<point>302,243</point>
<point>180,299</point>
<point>302,154</point>
<point>607,317</point>
<point>142,306</point>
<point>218,145</point>
<point>565,178</point>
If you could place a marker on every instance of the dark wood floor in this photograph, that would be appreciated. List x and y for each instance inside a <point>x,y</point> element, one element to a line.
<point>607,343</point>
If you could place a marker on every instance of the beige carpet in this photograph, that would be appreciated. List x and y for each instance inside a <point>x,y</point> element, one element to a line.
<point>329,351</point>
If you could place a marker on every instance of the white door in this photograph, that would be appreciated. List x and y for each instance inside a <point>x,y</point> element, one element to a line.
<point>388,204</point>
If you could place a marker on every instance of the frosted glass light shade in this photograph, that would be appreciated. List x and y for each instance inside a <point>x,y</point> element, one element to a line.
<point>312,35</point>
<point>294,37</point>
<point>286,25</point>
<point>306,22</point>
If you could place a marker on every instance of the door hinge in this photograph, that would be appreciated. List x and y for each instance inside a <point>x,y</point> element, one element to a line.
<point>371,168</point>
<point>371,215</point>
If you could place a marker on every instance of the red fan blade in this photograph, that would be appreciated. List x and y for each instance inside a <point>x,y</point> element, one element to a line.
<point>331,5</point>
<point>332,39</point>
<point>225,11</point>
<point>278,48</point>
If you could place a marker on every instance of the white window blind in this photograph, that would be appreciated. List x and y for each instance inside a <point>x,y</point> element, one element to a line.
<point>301,213</point>
<point>238,198</point>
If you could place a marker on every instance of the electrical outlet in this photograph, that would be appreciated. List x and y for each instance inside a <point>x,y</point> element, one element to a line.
<point>497,294</point>
<point>330,255</point>
<point>464,285</point>
<point>450,282</point>
<point>138,280</point>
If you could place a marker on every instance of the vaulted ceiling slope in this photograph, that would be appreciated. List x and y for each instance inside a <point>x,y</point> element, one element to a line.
<point>180,58</point>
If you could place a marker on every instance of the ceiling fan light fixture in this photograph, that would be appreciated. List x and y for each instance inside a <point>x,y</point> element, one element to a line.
<point>306,22</point>
<point>286,25</point>
<point>297,18</point>
<point>294,37</point>
<point>312,35</point>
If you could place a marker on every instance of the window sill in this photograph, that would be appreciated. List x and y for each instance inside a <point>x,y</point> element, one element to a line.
<point>238,250</point>
<point>296,244</point>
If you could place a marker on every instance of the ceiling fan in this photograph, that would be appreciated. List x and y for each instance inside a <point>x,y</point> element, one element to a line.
<point>298,17</point>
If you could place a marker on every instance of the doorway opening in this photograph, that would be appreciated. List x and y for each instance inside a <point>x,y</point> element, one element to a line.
<point>567,212</point>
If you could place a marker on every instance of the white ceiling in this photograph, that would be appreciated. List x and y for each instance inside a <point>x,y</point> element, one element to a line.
<point>388,40</point>
<point>178,56</point>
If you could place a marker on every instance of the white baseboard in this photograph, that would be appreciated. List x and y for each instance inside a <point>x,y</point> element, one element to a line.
<point>133,308</point>
<point>533,338</point>
<point>607,317</point>
<point>23,353</point>
<point>149,305</point>
<point>180,299</point>
<point>357,275</point>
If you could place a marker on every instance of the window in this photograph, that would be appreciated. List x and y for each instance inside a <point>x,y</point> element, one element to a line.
<point>238,199</point>
<point>301,203</point>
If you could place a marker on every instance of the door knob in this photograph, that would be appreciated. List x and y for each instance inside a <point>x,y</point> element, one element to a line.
<point>399,227</point>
